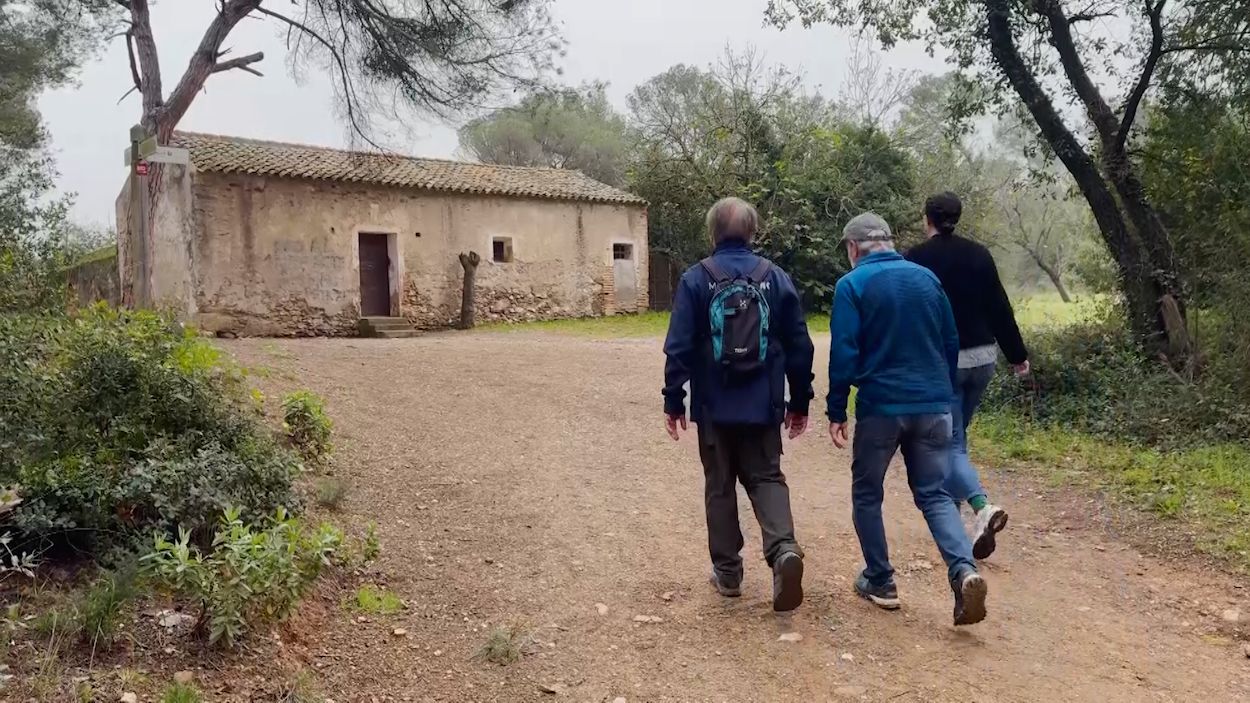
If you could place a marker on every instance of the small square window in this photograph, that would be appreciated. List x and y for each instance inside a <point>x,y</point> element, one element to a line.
<point>501,249</point>
<point>622,251</point>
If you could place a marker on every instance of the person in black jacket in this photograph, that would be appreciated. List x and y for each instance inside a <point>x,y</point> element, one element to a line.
<point>740,415</point>
<point>986,323</point>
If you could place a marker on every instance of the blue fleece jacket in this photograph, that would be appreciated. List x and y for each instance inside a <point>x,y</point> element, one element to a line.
<point>893,337</point>
<point>759,400</point>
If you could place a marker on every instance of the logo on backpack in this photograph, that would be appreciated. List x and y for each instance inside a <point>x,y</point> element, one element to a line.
<point>739,317</point>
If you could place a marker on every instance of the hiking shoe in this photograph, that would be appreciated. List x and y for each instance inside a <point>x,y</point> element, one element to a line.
<point>970,592</point>
<point>990,521</point>
<point>884,597</point>
<point>787,582</point>
<point>729,589</point>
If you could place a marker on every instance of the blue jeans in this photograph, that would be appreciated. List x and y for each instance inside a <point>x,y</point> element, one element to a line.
<point>926,445</point>
<point>963,482</point>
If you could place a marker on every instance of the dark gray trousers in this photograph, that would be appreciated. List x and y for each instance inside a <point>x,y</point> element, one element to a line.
<point>751,455</point>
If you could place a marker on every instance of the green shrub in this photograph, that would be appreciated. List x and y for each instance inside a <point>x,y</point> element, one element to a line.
<point>307,425</point>
<point>250,577</point>
<point>1091,377</point>
<point>372,548</point>
<point>117,422</point>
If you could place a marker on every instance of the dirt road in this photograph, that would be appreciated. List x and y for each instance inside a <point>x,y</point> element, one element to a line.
<point>521,478</point>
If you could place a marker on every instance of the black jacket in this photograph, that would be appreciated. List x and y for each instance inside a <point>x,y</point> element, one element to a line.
<point>983,313</point>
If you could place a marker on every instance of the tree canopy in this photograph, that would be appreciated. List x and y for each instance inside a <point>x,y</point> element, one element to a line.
<point>1036,55</point>
<point>747,129</point>
<point>573,128</point>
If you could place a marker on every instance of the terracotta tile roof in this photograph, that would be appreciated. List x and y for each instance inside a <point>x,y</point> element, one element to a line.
<point>234,155</point>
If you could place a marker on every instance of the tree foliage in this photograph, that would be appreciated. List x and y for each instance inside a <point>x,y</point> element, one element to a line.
<point>573,128</point>
<point>1039,53</point>
<point>41,43</point>
<point>743,128</point>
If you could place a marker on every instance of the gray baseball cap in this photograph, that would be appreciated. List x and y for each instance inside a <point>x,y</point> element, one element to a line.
<point>868,227</point>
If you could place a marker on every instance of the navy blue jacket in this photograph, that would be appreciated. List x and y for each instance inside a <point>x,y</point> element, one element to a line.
<point>760,401</point>
<point>892,336</point>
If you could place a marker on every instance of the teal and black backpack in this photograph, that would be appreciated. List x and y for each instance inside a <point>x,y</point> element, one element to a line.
<point>739,317</point>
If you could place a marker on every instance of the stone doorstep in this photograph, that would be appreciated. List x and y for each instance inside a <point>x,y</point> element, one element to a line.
<point>397,334</point>
<point>380,321</point>
<point>386,327</point>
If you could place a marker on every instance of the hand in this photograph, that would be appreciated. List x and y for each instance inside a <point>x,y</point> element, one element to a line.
<point>837,432</point>
<point>1022,369</point>
<point>671,423</point>
<point>797,424</point>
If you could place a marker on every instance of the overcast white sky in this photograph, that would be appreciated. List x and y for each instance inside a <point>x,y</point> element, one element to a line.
<point>624,43</point>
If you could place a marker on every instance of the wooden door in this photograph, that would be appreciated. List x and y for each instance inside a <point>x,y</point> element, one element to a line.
<point>375,276</point>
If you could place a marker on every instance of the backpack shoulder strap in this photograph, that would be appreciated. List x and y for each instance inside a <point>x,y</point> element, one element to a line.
<point>761,270</point>
<point>714,270</point>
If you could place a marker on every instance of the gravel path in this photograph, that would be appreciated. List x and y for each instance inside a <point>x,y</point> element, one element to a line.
<point>525,479</point>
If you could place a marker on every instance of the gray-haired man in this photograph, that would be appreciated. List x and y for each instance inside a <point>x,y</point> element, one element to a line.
<point>737,335</point>
<point>893,337</point>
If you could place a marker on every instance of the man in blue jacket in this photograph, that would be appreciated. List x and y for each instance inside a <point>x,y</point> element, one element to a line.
<point>893,337</point>
<point>737,303</point>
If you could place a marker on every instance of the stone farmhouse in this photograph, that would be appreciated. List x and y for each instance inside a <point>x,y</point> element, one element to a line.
<point>268,239</point>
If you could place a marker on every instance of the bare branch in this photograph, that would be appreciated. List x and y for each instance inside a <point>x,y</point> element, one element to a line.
<point>1074,68</point>
<point>349,94</point>
<point>1178,48</point>
<point>133,88</point>
<point>1089,16</point>
<point>1129,113</point>
<point>149,67</point>
<point>242,63</point>
<point>134,66</point>
<point>203,63</point>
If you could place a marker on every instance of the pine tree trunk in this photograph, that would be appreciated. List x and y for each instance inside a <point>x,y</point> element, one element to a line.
<point>469,262</point>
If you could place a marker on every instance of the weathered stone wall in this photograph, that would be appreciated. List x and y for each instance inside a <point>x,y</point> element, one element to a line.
<point>280,256</point>
<point>95,280</point>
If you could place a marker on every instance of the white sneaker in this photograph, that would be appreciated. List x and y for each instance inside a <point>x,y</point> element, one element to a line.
<point>990,521</point>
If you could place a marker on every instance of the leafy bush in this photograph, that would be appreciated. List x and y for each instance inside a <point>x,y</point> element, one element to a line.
<point>1091,377</point>
<point>250,577</point>
<point>307,425</point>
<point>372,547</point>
<point>117,422</point>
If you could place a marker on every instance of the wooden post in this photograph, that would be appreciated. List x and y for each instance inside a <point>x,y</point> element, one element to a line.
<point>469,262</point>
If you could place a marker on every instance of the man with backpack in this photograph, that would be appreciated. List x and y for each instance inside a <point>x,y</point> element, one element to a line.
<point>737,335</point>
<point>893,337</point>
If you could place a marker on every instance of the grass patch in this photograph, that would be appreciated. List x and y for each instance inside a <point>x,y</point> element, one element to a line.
<point>377,601</point>
<point>301,689</point>
<point>1047,310</point>
<point>1035,311</point>
<point>181,693</point>
<point>1205,486</point>
<point>503,645</point>
<point>645,324</point>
